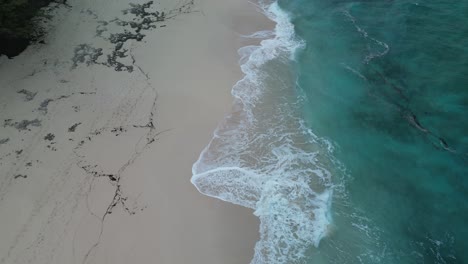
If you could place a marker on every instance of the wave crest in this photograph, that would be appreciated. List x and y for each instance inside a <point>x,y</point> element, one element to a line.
<point>261,155</point>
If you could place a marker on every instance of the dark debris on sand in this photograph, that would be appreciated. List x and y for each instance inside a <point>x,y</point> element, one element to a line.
<point>73,128</point>
<point>28,95</point>
<point>86,54</point>
<point>141,20</point>
<point>49,137</point>
<point>43,106</point>
<point>22,125</point>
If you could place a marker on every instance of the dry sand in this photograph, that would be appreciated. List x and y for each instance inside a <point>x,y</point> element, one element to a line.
<point>95,164</point>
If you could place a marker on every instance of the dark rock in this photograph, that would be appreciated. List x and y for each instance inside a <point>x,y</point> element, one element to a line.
<point>18,24</point>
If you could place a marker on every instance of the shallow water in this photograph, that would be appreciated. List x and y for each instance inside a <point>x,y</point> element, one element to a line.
<point>348,137</point>
<point>386,81</point>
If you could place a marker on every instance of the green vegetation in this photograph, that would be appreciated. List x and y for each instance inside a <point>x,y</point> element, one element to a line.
<point>17,27</point>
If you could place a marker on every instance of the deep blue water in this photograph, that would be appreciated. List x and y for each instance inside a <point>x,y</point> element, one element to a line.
<point>387,83</point>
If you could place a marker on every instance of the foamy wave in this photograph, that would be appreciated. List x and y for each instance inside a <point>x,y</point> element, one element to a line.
<point>262,156</point>
<point>261,34</point>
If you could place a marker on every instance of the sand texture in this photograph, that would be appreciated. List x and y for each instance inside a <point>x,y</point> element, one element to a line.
<point>99,128</point>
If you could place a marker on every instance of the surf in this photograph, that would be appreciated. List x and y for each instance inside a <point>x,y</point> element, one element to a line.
<point>262,155</point>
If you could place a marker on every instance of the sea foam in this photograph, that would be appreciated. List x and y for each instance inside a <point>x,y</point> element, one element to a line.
<point>263,157</point>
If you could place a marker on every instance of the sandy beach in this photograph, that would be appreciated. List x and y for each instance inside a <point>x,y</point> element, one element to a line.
<point>100,127</point>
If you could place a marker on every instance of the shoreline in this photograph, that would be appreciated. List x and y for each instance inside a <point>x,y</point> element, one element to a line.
<point>105,170</point>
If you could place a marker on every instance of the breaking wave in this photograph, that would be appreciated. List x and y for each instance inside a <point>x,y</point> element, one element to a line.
<point>262,156</point>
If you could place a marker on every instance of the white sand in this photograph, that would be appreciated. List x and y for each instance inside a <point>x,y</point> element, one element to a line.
<point>117,189</point>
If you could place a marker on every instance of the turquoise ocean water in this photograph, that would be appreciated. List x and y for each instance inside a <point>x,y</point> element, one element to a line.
<point>349,134</point>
